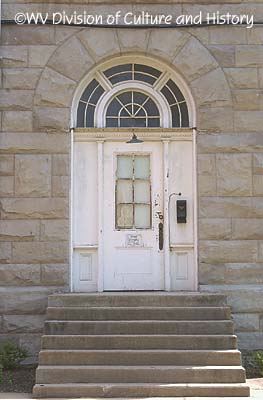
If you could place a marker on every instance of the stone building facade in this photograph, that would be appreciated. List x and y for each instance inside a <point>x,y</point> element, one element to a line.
<point>42,67</point>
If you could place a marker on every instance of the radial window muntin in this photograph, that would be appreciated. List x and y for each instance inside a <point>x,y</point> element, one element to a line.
<point>175,114</point>
<point>132,108</point>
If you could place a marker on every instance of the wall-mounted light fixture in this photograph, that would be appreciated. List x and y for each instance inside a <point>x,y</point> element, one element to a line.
<point>134,139</point>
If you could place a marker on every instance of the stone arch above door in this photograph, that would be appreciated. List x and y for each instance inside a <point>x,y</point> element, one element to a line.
<point>83,51</point>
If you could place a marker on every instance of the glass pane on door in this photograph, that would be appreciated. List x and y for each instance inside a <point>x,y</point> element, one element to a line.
<point>133,192</point>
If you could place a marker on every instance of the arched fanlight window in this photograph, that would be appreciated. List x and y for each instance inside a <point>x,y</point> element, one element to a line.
<point>132,107</point>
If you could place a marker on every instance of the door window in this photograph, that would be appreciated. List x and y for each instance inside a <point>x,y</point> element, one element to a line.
<point>133,192</point>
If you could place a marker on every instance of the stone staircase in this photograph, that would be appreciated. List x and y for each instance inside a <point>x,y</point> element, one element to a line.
<point>139,345</point>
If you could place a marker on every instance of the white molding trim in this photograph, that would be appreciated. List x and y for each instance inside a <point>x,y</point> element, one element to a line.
<point>101,215</point>
<point>167,271</point>
<point>71,210</point>
<point>121,134</point>
<point>195,200</point>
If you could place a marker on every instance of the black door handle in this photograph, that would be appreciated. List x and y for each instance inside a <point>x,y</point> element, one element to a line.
<point>160,236</point>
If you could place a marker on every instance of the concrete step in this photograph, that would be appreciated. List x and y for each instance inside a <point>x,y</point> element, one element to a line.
<point>137,299</point>
<point>138,327</point>
<point>139,357</point>
<point>138,313</point>
<point>139,374</point>
<point>189,342</point>
<point>119,390</point>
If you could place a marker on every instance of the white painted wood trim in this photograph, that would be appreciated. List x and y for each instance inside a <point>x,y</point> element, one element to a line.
<point>182,246</point>
<point>101,215</point>
<point>166,215</point>
<point>71,189</point>
<point>85,246</point>
<point>195,208</point>
<point>122,135</point>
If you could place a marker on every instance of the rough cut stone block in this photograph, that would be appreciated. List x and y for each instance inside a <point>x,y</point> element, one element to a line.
<point>24,300</point>
<point>6,186</point>
<point>250,55</point>
<point>16,100</point>
<point>194,60</point>
<point>34,208</point>
<point>21,78</point>
<point>234,174</point>
<point>9,10</point>
<point>166,43</point>
<point>244,273</point>
<point>242,78</point>
<point>250,340</point>
<point>258,163</point>
<point>255,35</point>
<point>246,322</point>
<point>260,251</point>
<point>217,229</point>
<point>54,89</point>
<point>60,186</point>
<point>27,35</point>
<point>19,230</point>
<point>247,229</point>
<point>60,165</point>
<point>201,34</point>
<point>102,44</point>
<point>216,119</point>
<point>62,33</point>
<point>248,99</point>
<point>206,164</point>
<point>38,55</point>
<point>212,89</point>
<point>248,121</point>
<point>231,207</point>
<point>35,252</point>
<point>32,175</point>
<point>5,251</point>
<point>224,55</point>
<point>229,35</point>
<point>133,40</point>
<point>210,274</point>
<point>228,251</point>
<point>260,73</point>
<point>31,342</point>
<point>6,165</point>
<point>258,185</point>
<point>23,323</point>
<point>17,121</point>
<point>79,60</point>
<point>206,185</point>
<point>37,142</point>
<point>54,274</point>
<point>13,56</point>
<point>240,297</point>
<point>230,143</point>
<point>54,230</point>
<point>20,274</point>
<point>51,119</point>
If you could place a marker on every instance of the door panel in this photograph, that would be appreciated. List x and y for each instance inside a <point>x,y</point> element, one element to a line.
<point>132,209</point>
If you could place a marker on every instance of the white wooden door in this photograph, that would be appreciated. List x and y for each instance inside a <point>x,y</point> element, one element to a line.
<point>133,216</point>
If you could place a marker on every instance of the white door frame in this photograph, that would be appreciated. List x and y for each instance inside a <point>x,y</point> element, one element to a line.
<point>166,136</point>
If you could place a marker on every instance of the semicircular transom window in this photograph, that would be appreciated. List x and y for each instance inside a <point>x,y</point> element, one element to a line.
<point>132,108</point>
